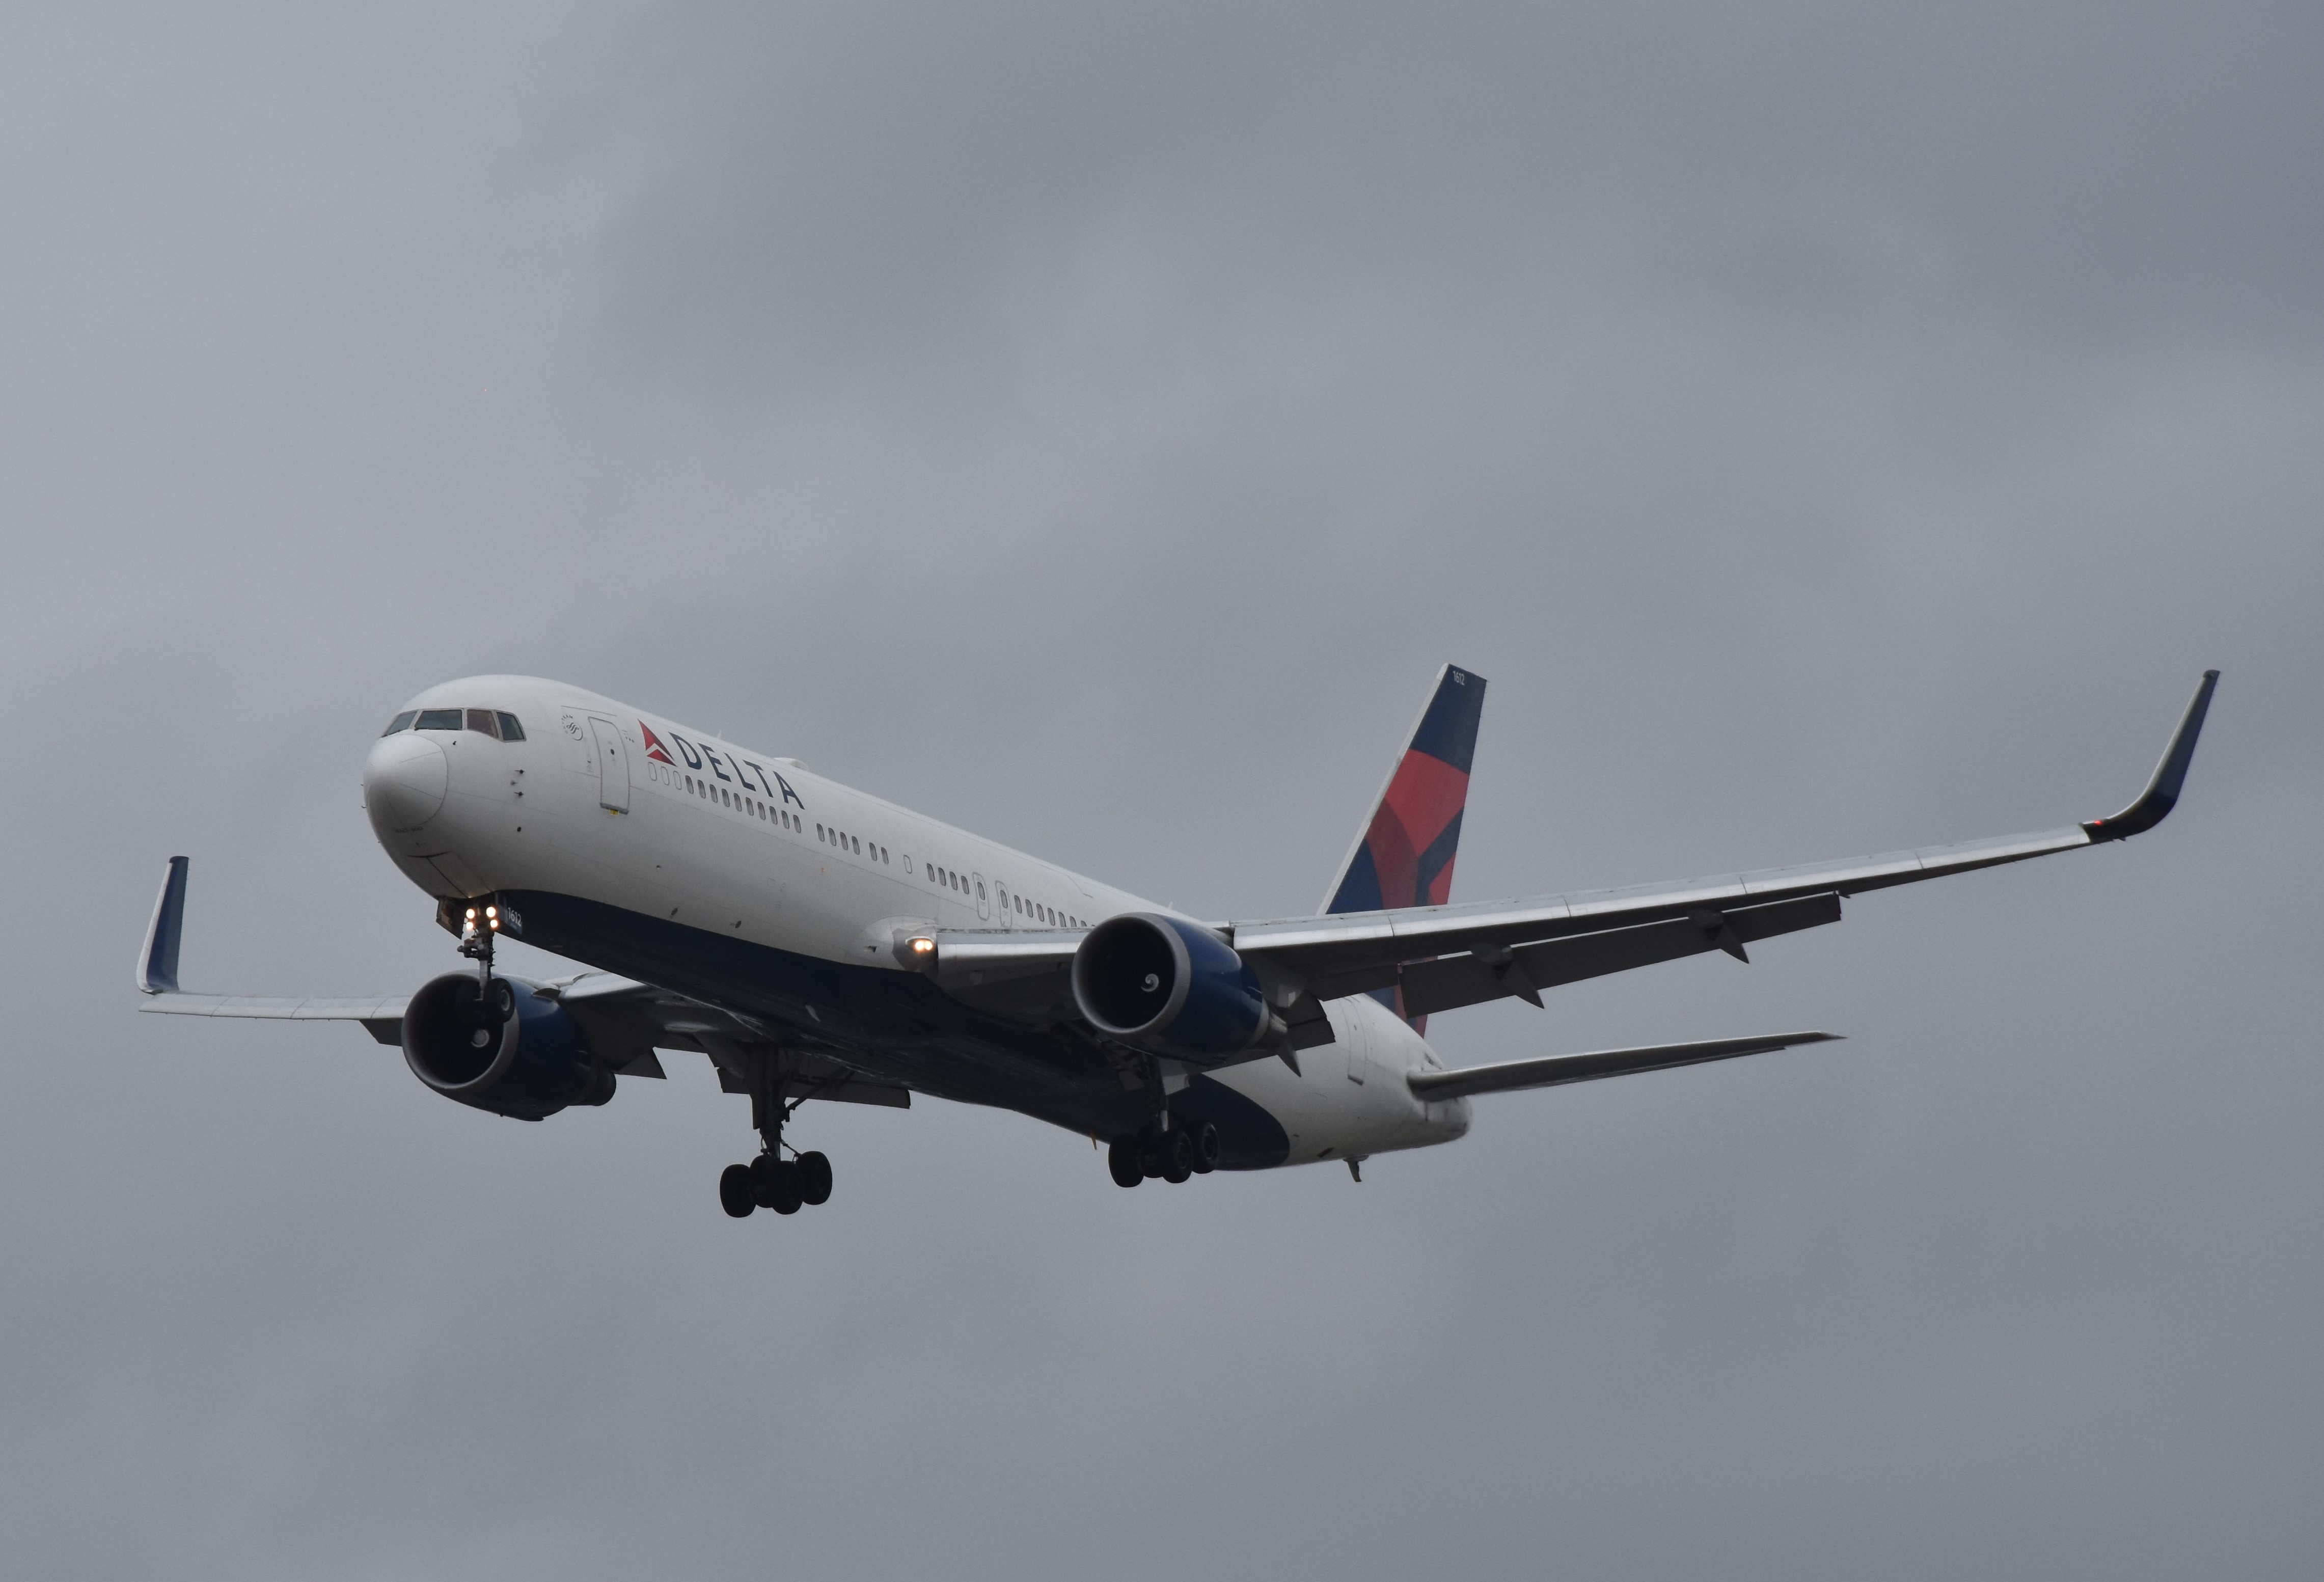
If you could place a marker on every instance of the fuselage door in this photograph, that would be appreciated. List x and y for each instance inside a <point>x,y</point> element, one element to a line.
<point>613,766</point>
<point>1358,1042</point>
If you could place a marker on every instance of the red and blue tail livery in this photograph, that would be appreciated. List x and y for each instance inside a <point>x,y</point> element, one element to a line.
<point>1404,855</point>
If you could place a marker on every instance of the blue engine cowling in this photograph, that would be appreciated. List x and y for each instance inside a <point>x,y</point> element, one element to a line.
<point>513,1053</point>
<point>1170,986</point>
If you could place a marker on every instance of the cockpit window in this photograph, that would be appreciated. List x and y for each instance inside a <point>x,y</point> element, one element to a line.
<point>440,720</point>
<point>401,722</point>
<point>481,719</point>
<point>509,730</point>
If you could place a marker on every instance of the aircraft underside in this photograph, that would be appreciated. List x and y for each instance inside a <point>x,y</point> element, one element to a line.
<point>897,1026</point>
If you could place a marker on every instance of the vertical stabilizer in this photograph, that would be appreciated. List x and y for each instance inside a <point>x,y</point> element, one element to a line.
<point>1404,855</point>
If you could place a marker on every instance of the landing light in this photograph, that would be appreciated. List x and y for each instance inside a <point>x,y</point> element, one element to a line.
<point>923,946</point>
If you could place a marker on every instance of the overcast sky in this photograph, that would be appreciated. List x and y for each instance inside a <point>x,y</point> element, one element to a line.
<point>1828,429</point>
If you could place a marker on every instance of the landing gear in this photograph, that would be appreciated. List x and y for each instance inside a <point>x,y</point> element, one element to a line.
<point>736,1193</point>
<point>1172,1156</point>
<point>770,1180</point>
<point>776,1182</point>
<point>1177,1156</point>
<point>1123,1163</point>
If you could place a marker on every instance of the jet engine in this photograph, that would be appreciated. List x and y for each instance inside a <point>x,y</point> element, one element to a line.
<point>1170,986</point>
<point>503,1049</point>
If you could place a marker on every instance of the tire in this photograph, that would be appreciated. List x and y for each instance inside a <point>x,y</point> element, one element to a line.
<point>1149,1157</point>
<point>815,1178</point>
<point>1177,1155</point>
<point>1207,1148</point>
<point>783,1195</point>
<point>737,1194</point>
<point>1122,1162</point>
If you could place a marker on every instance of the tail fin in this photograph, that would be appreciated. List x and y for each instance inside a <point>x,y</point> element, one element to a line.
<point>1404,855</point>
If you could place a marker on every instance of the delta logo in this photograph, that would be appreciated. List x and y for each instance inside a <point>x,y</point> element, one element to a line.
<point>705,760</point>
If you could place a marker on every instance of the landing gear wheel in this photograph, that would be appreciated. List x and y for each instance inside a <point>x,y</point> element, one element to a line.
<point>781,1192</point>
<point>1149,1156</point>
<point>1122,1162</point>
<point>1207,1148</point>
<point>737,1194</point>
<point>815,1178</point>
<point>1177,1155</point>
<point>776,1184</point>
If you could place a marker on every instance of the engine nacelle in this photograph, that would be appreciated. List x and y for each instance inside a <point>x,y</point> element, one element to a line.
<point>1171,985</point>
<point>513,1053</point>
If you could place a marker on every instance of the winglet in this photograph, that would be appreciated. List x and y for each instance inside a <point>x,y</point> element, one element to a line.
<point>2162,794</point>
<point>156,964</point>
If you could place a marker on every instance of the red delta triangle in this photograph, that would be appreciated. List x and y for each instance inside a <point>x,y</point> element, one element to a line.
<point>1422,800</point>
<point>653,745</point>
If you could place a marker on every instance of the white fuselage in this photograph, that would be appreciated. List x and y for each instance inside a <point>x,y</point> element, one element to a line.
<point>608,805</point>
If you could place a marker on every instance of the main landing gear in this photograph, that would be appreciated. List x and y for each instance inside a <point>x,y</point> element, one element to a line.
<point>1171,1155</point>
<point>770,1180</point>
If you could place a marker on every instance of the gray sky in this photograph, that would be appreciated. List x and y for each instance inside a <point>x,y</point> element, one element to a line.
<point>1829,430</point>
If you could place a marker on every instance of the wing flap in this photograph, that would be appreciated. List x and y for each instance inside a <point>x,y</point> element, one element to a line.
<point>1555,1070</point>
<point>1450,981</point>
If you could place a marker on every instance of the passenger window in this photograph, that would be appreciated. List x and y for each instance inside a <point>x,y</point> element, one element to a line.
<point>481,719</point>
<point>858,846</point>
<point>401,722</point>
<point>510,731</point>
<point>440,720</point>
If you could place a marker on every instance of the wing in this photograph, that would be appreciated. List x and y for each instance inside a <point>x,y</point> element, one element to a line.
<point>1448,955</point>
<point>1445,957</point>
<point>1556,1069</point>
<point>624,1022</point>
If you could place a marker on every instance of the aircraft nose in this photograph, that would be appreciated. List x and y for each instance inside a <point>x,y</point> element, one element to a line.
<point>404,782</point>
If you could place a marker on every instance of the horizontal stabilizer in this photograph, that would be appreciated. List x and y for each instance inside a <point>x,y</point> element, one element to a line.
<point>1554,1070</point>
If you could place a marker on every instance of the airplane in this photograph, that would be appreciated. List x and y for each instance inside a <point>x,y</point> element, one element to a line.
<point>819,943</point>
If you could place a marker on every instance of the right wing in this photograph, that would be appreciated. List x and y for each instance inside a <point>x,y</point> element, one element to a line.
<point>623,1020</point>
<point>1555,1069</point>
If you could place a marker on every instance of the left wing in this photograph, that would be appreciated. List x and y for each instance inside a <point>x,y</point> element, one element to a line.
<point>1445,957</point>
